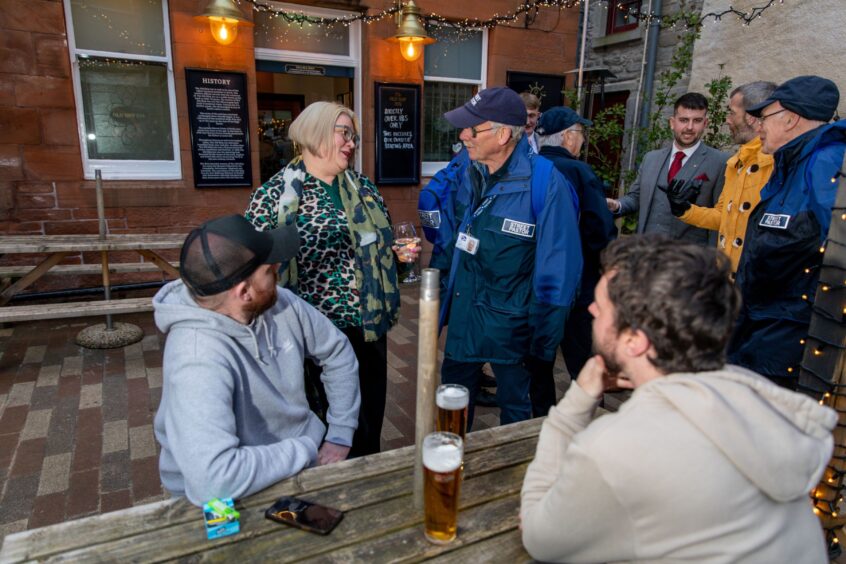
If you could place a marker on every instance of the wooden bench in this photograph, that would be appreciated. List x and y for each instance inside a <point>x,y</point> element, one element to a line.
<point>16,314</point>
<point>16,271</point>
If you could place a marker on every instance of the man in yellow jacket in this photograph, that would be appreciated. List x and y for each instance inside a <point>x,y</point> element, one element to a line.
<point>747,171</point>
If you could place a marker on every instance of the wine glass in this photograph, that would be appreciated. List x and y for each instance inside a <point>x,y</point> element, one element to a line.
<point>407,247</point>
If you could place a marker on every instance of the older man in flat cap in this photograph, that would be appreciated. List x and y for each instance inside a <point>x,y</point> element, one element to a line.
<point>779,268</point>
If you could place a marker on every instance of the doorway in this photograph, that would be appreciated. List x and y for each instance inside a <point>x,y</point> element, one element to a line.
<point>283,91</point>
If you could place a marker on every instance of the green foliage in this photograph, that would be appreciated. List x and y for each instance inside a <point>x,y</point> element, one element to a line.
<point>718,90</point>
<point>607,135</point>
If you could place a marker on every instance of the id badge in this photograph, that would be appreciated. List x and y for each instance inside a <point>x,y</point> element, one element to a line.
<point>467,243</point>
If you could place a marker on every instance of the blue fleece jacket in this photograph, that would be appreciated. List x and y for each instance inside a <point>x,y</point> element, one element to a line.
<point>233,417</point>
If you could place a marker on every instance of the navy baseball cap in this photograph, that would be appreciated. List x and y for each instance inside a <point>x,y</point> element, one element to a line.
<point>812,97</point>
<point>558,119</point>
<point>499,104</point>
<point>224,251</point>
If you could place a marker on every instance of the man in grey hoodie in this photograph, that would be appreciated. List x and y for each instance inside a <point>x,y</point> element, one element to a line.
<point>705,462</point>
<point>233,417</point>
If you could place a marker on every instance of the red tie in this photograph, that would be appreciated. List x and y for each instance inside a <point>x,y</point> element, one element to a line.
<point>675,166</point>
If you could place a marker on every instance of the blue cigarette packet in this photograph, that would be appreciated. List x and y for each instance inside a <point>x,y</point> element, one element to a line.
<point>221,518</point>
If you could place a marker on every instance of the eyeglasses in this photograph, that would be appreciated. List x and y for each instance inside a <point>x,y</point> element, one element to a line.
<point>582,131</point>
<point>348,134</point>
<point>763,117</point>
<point>474,132</point>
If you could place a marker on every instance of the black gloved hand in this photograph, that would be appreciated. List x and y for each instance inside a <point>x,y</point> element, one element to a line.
<point>680,193</point>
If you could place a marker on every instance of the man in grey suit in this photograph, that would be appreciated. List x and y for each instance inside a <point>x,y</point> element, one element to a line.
<point>687,159</point>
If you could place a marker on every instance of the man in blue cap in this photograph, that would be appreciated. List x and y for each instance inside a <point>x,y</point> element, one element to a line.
<point>561,134</point>
<point>779,268</point>
<point>517,259</point>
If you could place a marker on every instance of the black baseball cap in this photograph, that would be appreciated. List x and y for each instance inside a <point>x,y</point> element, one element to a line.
<point>499,104</point>
<point>224,251</point>
<point>812,97</point>
<point>558,119</point>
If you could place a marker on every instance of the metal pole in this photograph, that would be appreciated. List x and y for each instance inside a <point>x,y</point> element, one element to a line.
<point>427,371</point>
<point>104,255</point>
<point>582,50</point>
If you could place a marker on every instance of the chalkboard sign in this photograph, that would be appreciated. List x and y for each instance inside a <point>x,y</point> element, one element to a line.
<point>220,134</point>
<point>397,133</point>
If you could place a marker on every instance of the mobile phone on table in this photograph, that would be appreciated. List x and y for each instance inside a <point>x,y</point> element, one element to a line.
<point>304,515</point>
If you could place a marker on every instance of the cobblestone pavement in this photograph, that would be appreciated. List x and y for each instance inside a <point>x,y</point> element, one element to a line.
<point>76,434</point>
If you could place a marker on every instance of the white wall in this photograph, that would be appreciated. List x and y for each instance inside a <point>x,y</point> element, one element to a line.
<point>790,39</point>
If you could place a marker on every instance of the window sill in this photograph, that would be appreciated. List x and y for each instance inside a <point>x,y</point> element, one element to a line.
<point>617,38</point>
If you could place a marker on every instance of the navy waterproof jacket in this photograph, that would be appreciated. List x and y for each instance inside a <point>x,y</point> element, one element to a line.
<point>779,267</point>
<point>511,299</point>
<point>596,224</point>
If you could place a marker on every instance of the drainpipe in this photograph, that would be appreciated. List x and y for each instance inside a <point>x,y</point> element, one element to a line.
<point>651,55</point>
<point>585,7</point>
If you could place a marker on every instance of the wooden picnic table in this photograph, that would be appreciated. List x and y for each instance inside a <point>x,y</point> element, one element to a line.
<point>57,247</point>
<point>375,492</point>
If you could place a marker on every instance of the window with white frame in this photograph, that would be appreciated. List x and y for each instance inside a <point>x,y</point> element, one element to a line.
<point>454,70</point>
<point>123,81</point>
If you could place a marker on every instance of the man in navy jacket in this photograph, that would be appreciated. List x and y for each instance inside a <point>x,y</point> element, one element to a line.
<point>517,260</point>
<point>779,268</point>
<point>561,136</point>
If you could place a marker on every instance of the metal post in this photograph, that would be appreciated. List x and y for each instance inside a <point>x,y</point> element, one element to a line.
<point>427,371</point>
<point>582,50</point>
<point>104,255</point>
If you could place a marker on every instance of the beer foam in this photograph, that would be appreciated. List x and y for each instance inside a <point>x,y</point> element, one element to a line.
<point>452,398</point>
<point>442,458</point>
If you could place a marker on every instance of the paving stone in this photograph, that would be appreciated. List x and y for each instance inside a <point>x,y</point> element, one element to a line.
<point>134,351</point>
<point>389,432</point>
<point>13,418</point>
<point>6,332</point>
<point>394,360</point>
<point>47,510</point>
<point>35,354</point>
<point>114,398</point>
<point>142,442</point>
<point>20,394</point>
<point>91,395</point>
<point>72,366</point>
<point>63,426</point>
<point>88,444</point>
<point>18,498</point>
<point>115,436</point>
<point>11,528</point>
<point>145,478</point>
<point>115,471</point>
<point>37,424</point>
<point>154,377</point>
<point>55,472</point>
<point>114,501</point>
<point>134,368</point>
<point>49,375</point>
<point>138,412</point>
<point>395,377</point>
<point>44,397</point>
<point>28,459</point>
<point>150,343</point>
<point>8,445</point>
<point>83,493</point>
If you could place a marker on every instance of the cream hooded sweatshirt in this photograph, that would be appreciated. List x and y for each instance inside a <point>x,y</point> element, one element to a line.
<point>707,467</point>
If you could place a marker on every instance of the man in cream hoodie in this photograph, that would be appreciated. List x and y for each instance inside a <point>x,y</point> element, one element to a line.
<point>705,462</point>
<point>233,417</point>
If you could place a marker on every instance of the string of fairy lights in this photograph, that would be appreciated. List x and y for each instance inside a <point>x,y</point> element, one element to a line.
<point>436,20</point>
<point>820,371</point>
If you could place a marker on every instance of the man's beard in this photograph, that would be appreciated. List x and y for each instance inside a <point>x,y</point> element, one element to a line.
<point>612,364</point>
<point>264,301</point>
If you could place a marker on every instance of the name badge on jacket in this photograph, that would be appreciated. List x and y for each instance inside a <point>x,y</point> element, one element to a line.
<point>467,243</point>
<point>518,228</point>
<point>775,220</point>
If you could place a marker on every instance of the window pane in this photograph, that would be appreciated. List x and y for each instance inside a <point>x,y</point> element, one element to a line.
<point>439,135</point>
<point>455,55</point>
<point>274,32</point>
<point>120,26</point>
<point>127,115</point>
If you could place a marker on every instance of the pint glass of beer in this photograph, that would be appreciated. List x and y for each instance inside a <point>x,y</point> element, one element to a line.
<point>452,400</point>
<point>442,456</point>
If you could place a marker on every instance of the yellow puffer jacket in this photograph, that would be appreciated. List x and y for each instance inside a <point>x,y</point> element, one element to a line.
<point>747,171</point>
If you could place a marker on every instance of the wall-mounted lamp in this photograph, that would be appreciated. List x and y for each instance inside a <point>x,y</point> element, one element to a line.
<point>411,35</point>
<point>223,17</point>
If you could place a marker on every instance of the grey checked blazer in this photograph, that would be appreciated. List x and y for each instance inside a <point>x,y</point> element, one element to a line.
<point>653,172</point>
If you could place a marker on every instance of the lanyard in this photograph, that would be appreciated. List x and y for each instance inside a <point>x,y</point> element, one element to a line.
<point>469,221</point>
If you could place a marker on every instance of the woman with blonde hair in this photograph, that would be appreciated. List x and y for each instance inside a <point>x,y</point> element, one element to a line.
<point>345,267</point>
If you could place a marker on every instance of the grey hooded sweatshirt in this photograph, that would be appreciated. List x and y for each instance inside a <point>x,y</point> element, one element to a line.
<point>233,417</point>
<point>707,467</point>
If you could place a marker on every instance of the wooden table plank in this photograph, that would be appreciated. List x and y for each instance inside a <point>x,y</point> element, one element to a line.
<point>505,547</point>
<point>18,313</point>
<point>490,453</point>
<point>11,244</point>
<point>160,262</point>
